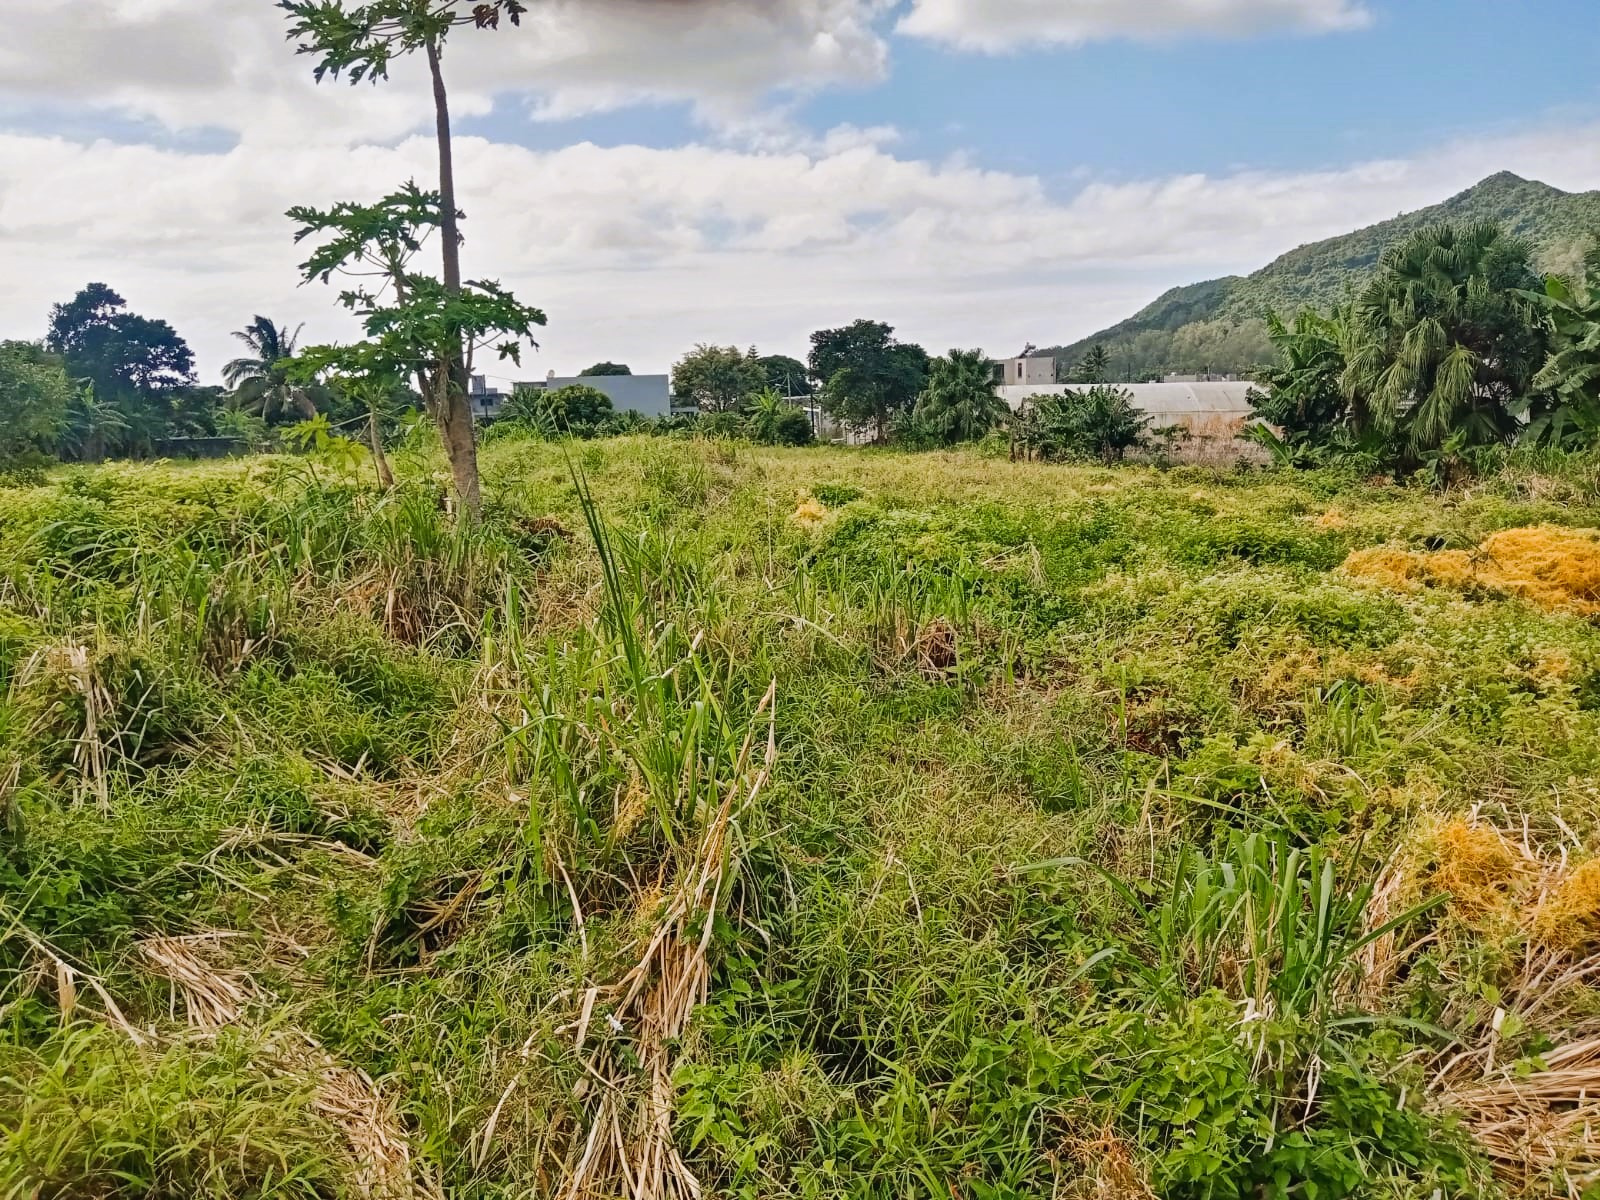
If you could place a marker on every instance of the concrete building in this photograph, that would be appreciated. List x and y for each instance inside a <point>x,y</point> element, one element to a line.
<point>1034,369</point>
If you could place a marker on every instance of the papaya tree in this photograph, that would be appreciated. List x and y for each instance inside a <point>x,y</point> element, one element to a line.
<point>416,326</point>
<point>359,41</point>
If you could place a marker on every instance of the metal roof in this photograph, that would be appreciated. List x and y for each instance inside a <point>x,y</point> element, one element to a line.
<point>1157,399</point>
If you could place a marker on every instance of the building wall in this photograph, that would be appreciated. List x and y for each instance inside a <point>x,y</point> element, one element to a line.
<point>1034,370</point>
<point>649,395</point>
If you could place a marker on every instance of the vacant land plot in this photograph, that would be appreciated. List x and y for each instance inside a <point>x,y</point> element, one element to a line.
<point>814,823</point>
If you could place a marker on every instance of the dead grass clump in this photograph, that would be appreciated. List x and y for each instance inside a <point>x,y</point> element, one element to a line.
<point>935,648</point>
<point>1110,1169</point>
<point>1477,866</point>
<point>810,514</point>
<point>1332,519</point>
<point>1540,1124</point>
<point>629,1150</point>
<point>1549,565</point>
<point>1568,916</point>
<point>214,995</point>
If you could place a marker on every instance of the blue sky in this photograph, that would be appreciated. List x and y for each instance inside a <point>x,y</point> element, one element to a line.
<point>978,172</point>
<point>1126,108</point>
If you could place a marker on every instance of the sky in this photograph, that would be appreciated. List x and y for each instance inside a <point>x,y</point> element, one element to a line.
<point>658,173</point>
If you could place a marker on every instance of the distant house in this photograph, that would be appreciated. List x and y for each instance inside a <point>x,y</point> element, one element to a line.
<point>648,395</point>
<point>1033,369</point>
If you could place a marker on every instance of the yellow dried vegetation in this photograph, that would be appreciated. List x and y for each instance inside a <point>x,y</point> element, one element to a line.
<point>1494,880</point>
<point>810,514</point>
<point>1477,865</point>
<point>1549,565</point>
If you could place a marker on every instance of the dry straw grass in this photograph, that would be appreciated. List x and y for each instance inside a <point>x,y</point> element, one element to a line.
<point>629,1150</point>
<point>213,993</point>
<point>1549,565</point>
<point>1538,1118</point>
<point>1540,1124</point>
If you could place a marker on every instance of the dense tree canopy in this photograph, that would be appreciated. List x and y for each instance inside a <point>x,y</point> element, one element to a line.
<point>119,352</point>
<point>866,375</point>
<point>34,397</point>
<point>1443,339</point>
<point>138,376</point>
<point>718,378</point>
<point>773,421</point>
<point>960,403</point>
<point>786,376</point>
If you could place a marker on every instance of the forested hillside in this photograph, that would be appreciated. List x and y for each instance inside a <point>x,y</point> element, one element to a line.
<point>1216,324</point>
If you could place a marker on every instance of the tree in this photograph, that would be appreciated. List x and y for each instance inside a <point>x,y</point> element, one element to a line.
<point>1444,341</point>
<point>360,41</point>
<point>136,365</point>
<point>260,380</point>
<point>1099,421</point>
<point>773,421</point>
<point>1303,396</point>
<point>866,375</point>
<point>1571,373</point>
<point>960,401</point>
<point>367,375</point>
<point>607,368</point>
<point>120,352</point>
<point>34,397</point>
<point>786,376</point>
<point>415,324</point>
<point>94,425</point>
<point>1094,366</point>
<point>577,408</point>
<point>717,378</point>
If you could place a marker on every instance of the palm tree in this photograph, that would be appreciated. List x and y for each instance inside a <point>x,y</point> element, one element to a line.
<point>1571,375</point>
<point>1094,366</point>
<point>764,414</point>
<point>1303,396</point>
<point>959,400</point>
<point>1443,339</point>
<point>260,381</point>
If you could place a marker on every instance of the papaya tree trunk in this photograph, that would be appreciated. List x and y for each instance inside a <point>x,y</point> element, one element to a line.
<point>379,459</point>
<point>452,412</point>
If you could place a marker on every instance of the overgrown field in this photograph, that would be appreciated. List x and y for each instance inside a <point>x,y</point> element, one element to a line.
<point>813,823</point>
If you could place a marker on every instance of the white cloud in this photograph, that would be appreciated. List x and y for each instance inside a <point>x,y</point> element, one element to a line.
<point>996,25</point>
<point>232,68</point>
<point>638,253</point>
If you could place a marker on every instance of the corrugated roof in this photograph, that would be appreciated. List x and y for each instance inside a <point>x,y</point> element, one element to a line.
<point>1165,399</point>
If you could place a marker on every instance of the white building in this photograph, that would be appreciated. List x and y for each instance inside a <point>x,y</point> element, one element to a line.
<point>1034,369</point>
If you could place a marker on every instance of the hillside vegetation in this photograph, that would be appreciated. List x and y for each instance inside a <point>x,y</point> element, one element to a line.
<point>755,822</point>
<point>1216,324</point>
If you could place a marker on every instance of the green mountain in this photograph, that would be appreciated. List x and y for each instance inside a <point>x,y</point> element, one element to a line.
<point>1216,325</point>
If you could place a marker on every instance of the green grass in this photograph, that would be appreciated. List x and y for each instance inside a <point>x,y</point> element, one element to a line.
<point>1097,857</point>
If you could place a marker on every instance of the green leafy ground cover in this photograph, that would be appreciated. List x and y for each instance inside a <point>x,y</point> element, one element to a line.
<point>818,823</point>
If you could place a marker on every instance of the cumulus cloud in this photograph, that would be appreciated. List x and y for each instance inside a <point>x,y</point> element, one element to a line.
<point>638,253</point>
<point>996,25</point>
<point>233,70</point>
